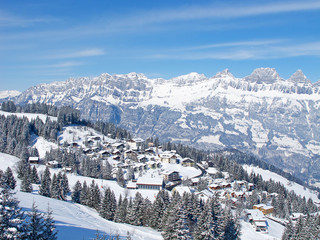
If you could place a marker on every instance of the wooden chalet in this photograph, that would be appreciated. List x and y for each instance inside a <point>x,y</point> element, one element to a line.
<point>188,162</point>
<point>33,160</point>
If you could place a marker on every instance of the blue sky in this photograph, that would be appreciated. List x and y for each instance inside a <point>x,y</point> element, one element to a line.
<point>45,41</point>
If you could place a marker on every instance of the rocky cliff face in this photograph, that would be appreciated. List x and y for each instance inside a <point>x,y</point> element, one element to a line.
<point>277,119</point>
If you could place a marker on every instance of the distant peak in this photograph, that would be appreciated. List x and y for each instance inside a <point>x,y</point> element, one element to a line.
<point>224,73</point>
<point>191,77</point>
<point>9,93</point>
<point>263,75</point>
<point>299,77</point>
<point>132,76</point>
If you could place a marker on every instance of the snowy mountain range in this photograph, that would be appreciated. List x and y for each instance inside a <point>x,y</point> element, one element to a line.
<point>277,119</point>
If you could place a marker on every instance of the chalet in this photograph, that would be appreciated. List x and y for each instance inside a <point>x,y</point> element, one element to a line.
<point>33,160</point>
<point>142,159</point>
<point>149,151</point>
<point>194,181</point>
<point>258,220</point>
<point>67,169</point>
<point>188,162</point>
<point>171,176</point>
<point>135,143</point>
<point>118,146</point>
<point>130,154</point>
<point>214,186</point>
<point>53,164</point>
<point>168,157</point>
<point>263,208</point>
<point>116,152</point>
<point>95,138</point>
<point>150,183</point>
<point>205,194</point>
<point>116,157</point>
<point>104,153</point>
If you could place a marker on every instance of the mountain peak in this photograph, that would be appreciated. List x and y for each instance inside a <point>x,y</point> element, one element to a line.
<point>224,73</point>
<point>263,75</point>
<point>299,77</point>
<point>132,76</point>
<point>189,78</point>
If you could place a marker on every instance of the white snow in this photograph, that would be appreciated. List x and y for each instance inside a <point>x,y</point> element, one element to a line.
<point>297,188</point>
<point>30,116</point>
<point>9,93</point>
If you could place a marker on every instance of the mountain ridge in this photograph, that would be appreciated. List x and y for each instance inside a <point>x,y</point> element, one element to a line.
<point>262,113</point>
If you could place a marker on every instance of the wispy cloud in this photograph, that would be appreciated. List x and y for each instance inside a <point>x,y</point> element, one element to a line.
<point>272,49</point>
<point>213,11</point>
<point>78,54</point>
<point>9,20</point>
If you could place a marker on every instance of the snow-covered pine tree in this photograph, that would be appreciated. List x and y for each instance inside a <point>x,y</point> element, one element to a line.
<point>76,193</point>
<point>289,231</point>
<point>108,205</point>
<point>121,211</point>
<point>54,189</point>
<point>26,185</point>
<point>12,218</point>
<point>94,198</point>
<point>205,225</point>
<point>34,175</point>
<point>158,208</point>
<point>44,189</point>
<point>8,179</point>
<point>120,177</point>
<point>35,226</point>
<point>84,194</point>
<point>49,228</point>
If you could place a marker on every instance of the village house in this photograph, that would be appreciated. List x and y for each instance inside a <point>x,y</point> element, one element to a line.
<point>264,208</point>
<point>33,160</point>
<point>53,164</point>
<point>168,157</point>
<point>171,175</point>
<point>131,154</point>
<point>205,194</point>
<point>135,143</point>
<point>188,162</point>
<point>258,220</point>
<point>150,183</point>
<point>118,146</point>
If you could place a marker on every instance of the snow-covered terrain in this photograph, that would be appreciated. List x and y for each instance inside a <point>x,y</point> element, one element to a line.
<point>75,221</point>
<point>30,116</point>
<point>263,113</point>
<point>291,186</point>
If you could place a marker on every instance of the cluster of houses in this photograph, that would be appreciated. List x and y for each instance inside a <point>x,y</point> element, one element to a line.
<point>131,154</point>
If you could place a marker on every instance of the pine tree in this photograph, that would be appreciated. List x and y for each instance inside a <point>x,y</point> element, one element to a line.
<point>12,218</point>
<point>8,179</point>
<point>206,225</point>
<point>26,185</point>
<point>54,189</point>
<point>76,193</point>
<point>49,228</point>
<point>121,211</point>
<point>44,189</point>
<point>120,177</point>
<point>35,224</point>
<point>84,194</point>
<point>94,197</point>
<point>108,205</point>
<point>34,175</point>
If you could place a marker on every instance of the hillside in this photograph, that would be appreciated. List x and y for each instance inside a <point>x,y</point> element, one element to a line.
<point>271,117</point>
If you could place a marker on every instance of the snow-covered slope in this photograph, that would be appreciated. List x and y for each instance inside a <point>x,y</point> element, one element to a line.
<point>30,116</point>
<point>74,221</point>
<point>274,118</point>
<point>291,186</point>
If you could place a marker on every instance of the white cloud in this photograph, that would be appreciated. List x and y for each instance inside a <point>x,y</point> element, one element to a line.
<point>78,54</point>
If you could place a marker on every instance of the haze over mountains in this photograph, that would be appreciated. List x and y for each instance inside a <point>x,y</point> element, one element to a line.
<point>277,119</point>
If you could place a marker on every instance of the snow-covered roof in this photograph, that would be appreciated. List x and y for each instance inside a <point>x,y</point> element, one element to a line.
<point>149,181</point>
<point>256,215</point>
